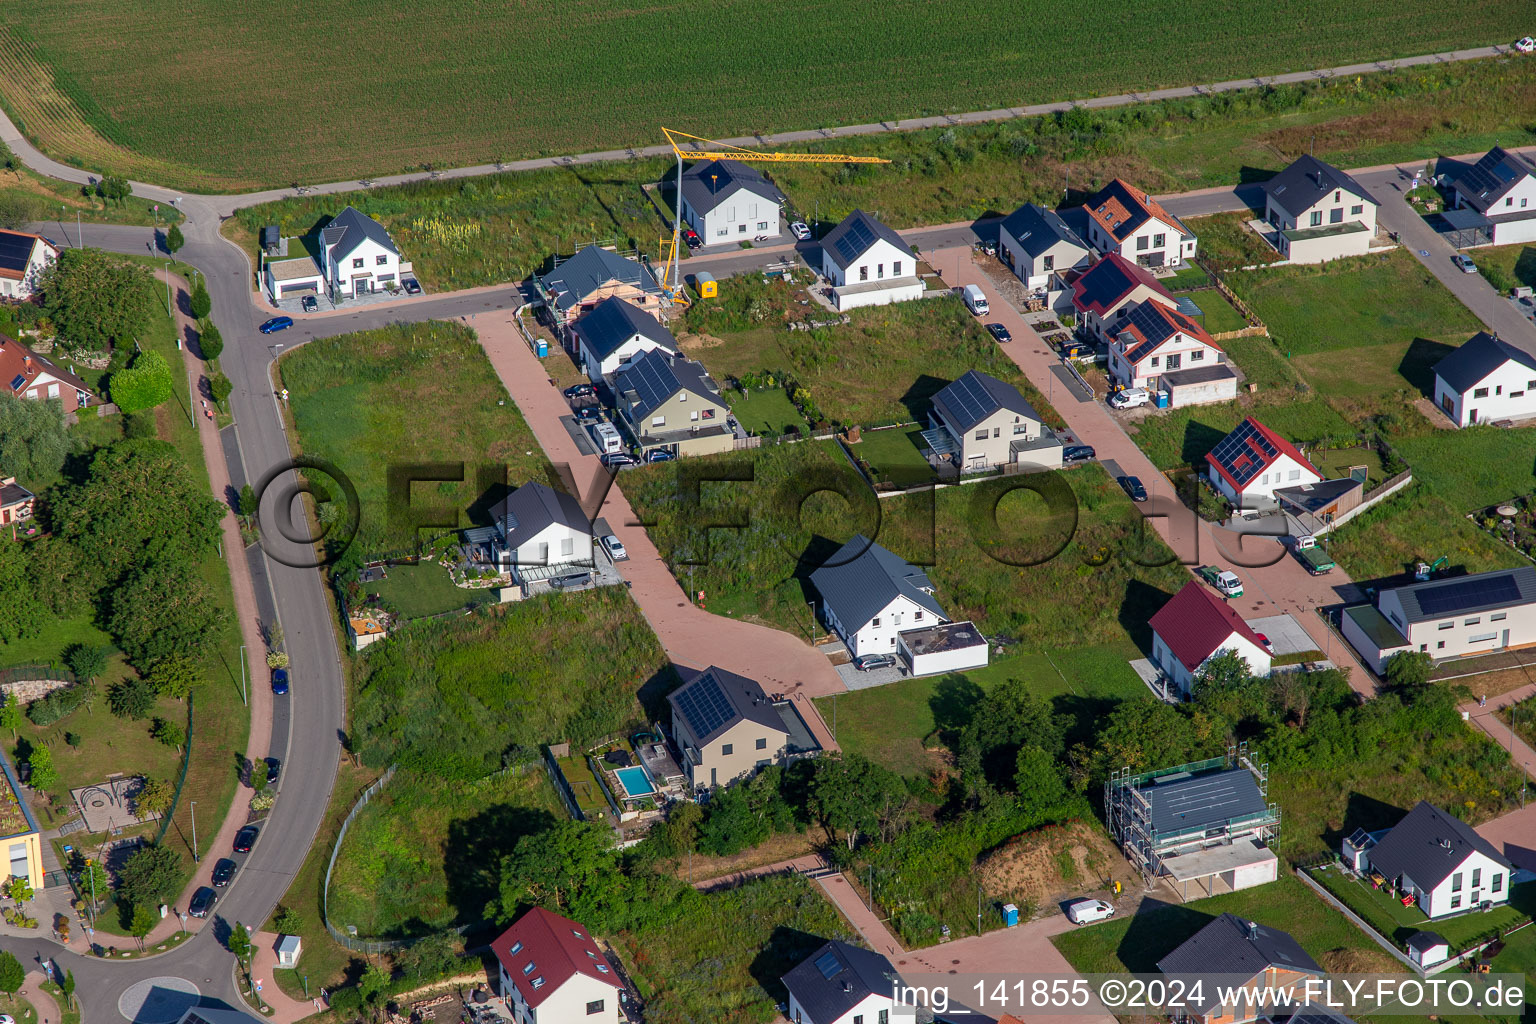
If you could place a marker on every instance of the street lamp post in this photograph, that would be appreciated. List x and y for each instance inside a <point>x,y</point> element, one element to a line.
<point>168,288</point>
<point>183,915</point>
<point>243,697</point>
<point>195,858</point>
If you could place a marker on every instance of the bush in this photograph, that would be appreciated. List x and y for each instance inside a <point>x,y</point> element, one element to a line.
<point>131,698</point>
<point>144,385</point>
<point>85,662</point>
<point>219,387</point>
<point>202,303</point>
<point>59,704</point>
<point>209,341</point>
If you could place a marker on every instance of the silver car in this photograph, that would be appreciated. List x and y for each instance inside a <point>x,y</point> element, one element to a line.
<point>615,548</point>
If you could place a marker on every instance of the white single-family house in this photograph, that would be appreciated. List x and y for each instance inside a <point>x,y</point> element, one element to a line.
<point>1441,861</point>
<point>1486,380</point>
<point>23,258</point>
<point>868,264</point>
<point>357,256</point>
<point>727,201</point>
<point>1252,462</point>
<point>980,422</point>
<point>537,527</point>
<point>1152,340</point>
<point>1319,212</point>
<point>841,984</point>
<point>1196,626</point>
<point>551,972</point>
<point>1462,616</point>
<point>1502,187</point>
<point>616,331</point>
<point>1124,220</point>
<point>1036,243</point>
<point>1105,293</point>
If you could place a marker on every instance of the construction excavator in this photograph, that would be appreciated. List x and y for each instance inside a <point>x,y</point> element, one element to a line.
<point>684,144</point>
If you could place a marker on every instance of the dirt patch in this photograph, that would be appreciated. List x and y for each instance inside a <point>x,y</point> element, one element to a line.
<point>1359,961</point>
<point>698,342</point>
<point>1352,132</point>
<point>1043,867</point>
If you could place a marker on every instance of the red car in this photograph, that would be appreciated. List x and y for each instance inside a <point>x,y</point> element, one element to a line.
<point>692,238</point>
<point>1264,641</point>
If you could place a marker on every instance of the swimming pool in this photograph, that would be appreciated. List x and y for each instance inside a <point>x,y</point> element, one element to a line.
<point>635,781</point>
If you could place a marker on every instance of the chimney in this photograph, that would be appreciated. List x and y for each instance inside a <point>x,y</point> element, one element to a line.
<point>1253,929</point>
<point>27,363</point>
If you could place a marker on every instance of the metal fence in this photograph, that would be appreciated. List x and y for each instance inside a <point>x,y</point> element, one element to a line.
<point>562,787</point>
<point>181,781</point>
<point>354,944</point>
<point>28,673</point>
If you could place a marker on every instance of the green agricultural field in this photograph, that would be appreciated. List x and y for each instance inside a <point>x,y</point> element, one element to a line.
<point>97,80</point>
<point>357,401</point>
<point>423,855</point>
<point>1182,437</point>
<point>455,697</point>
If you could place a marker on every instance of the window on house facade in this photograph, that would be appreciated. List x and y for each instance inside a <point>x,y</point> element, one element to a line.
<point>762,743</point>
<point>1482,638</point>
<point>658,421</point>
<point>1510,201</point>
<point>1477,878</point>
<point>1357,210</point>
<point>1517,394</point>
<point>741,229</point>
<point>1497,882</point>
<point>568,545</point>
<point>981,435</point>
<point>1456,882</point>
<point>1498,616</point>
<point>1473,621</point>
<point>917,616</point>
<point>1479,392</point>
<point>1198,355</point>
<point>357,262</point>
<point>594,1007</point>
<point>381,261</point>
<point>879,271</point>
<point>1158,241</point>
<point>997,431</point>
<point>1446,625</point>
<point>1317,218</point>
<point>1141,243</point>
<point>1020,428</point>
<point>723,232</point>
<point>726,749</point>
<point>1295,474</point>
<point>863,273</point>
<point>896,268</point>
<point>1338,196</point>
<point>762,225</point>
<point>1155,359</point>
<point>1439,645</point>
<point>1048,263</point>
<point>875,622</point>
<point>885,1017</point>
<point>1455,902</point>
<point>1336,215</point>
<point>1498,389</point>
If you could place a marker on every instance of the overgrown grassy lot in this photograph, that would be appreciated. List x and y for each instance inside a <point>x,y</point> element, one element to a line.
<point>723,963</point>
<point>1474,467</point>
<point>1227,243</point>
<point>423,856</point>
<point>999,553</point>
<point>1416,525</point>
<point>92,82</point>
<point>60,205</point>
<point>454,697</point>
<point>1506,266</point>
<point>409,395</point>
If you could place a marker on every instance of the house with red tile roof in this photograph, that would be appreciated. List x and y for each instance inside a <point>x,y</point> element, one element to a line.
<point>551,972</point>
<point>25,374</point>
<point>23,258</point>
<point>1194,627</point>
<point>1124,220</point>
<point>1252,462</point>
<point>1154,341</point>
<point>1104,294</point>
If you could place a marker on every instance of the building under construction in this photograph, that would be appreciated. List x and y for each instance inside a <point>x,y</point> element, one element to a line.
<point>1210,823</point>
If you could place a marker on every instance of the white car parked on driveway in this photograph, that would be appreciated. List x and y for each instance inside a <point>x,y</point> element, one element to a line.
<point>1130,398</point>
<point>800,230</point>
<point>1087,911</point>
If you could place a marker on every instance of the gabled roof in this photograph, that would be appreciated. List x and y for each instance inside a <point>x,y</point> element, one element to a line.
<point>16,253</point>
<point>348,230</point>
<point>1425,941</point>
<point>1307,180</point>
<point>855,236</point>
<point>1487,181</point>
<point>1036,229</point>
<point>1478,592</point>
<point>1105,285</point>
<point>715,700</point>
<point>1471,363</point>
<point>1119,208</point>
<point>532,508</point>
<point>20,367</point>
<point>591,268</point>
<point>1250,450</point>
<point>1150,324</point>
<point>542,951</point>
<point>863,578</point>
<point>966,402</point>
<point>1231,945</point>
<point>709,183</point>
<point>1429,846</point>
<point>836,978</point>
<point>654,377</point>
<point>1195,623</point>
<point>614,321</point>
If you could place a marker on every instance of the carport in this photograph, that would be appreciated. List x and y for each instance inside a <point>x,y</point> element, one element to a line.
<point>1219,869</point>
<point>1466,228</point>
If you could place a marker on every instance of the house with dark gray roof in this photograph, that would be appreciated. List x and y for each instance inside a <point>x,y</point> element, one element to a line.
<point>1447,618</point>
<point>727,201</point>
<point>1248,955</point>
<point>726,727</point>
<point>578,284</point>
<point>1486,380</point>
<point>1105,293</point>
<point>868,264</point>
<point>1501,188</point>
<point>979,423</point>
<point>357,256</point>
<point>614,332</point>
<point>539,528</point>
<point>840,983</point>
<point>1318,212</point>
<point>1440,861</point>
<point>1037,244</point>
<point>666,400</point>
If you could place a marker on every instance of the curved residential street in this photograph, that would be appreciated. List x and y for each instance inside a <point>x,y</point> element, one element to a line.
<point>307,727</point>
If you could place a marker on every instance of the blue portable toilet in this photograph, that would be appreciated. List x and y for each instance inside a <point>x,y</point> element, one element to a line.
<point>543,348</point>
<point>1010,915</point>
<point>1161,398</point>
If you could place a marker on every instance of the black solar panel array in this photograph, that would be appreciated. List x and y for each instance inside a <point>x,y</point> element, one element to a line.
<point>15,250</point>
<point>653,380</point>
<point>1242,441</point>
<point>1487,176</point>
<point>1473,593</point>
<point>829,965</point>
<point>855,241</point>
<point>18,381</point>
<point>970,400</point>
<point>703,703</point>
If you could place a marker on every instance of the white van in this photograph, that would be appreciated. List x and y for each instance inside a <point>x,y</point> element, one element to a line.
<point>1130,398</point>
<point>975,300</point>
<point>1087,911</point>
<point>608,439</point>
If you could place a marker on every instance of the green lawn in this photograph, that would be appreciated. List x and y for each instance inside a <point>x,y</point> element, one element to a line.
<point>769,412</point>
<point>1416,525</point>
<point>359,400</point>
<point>1386,913</point>
<point>1474,467</point>
<point>1336,463</point>
<point>454,697</point>
<point>894,455</point>
<point>1506,266</point>
<point>1182,437</point>
<point>1136,943</point>
<point>424,854</point>
<point>1220,315</point>
<point>898,724</point>
<point>416,591</point>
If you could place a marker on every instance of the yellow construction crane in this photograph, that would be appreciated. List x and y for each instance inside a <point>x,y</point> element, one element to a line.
<point>671,281</point>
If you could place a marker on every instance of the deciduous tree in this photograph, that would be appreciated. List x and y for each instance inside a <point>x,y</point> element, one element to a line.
<point>86,661</point>
<point>209,341</point>
<point>96,299</point>
<point>34,439</point>
<point>201,301</point>
<point>10,713</point>
<point>12,974</point>
<point>154,797</point>
<point>44,775</point>
<point>161,610</point>
<point>174,676</point>
<point>22,611</point>
<point>174,239</point>
<point>150,876</point>
<point>146,383</point>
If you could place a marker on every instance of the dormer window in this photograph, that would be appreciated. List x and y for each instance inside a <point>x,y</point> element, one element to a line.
<point>602,968</point>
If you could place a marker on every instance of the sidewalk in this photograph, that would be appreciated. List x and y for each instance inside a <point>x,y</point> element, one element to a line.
<point>259,741</point>
<point>874,931</point>
<point>263,961</point>
<point>800,865</point>
<point>693,638</point>
<point>1487,719</point>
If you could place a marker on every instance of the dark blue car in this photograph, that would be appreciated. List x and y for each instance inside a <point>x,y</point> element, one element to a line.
<point>277,323</point>
<point>280,681</point>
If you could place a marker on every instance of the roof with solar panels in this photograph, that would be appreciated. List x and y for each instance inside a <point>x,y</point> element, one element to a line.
<point>16,253</point>
<point>975,397</point>
<point>715,700</point>
<point>1484,183</point>
<point>855,236</point>
<point>1480,592</point>
<point>1251,450</point>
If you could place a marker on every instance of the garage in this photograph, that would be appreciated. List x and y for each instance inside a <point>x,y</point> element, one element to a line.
<point>292,279</point>
<point>948,647</point>
<point>294,291</point>
<point>1199,386</point>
